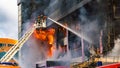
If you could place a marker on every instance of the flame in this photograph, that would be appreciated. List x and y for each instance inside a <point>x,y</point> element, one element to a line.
<point>51,36</point>
<point>51,50</point>
<point>50,39</point>
<point>46,35</point>
<point>40,34</point>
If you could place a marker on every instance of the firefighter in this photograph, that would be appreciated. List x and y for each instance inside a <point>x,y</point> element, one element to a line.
<point>44,21</point>
<point>41,20</point>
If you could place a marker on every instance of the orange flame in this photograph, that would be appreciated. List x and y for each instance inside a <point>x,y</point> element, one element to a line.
<point>51,36</point>
<point>50,52</point>
<point>46,35</point>
<point>40,34</point>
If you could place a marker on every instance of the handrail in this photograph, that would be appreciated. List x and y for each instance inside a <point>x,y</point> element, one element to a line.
<point>112,58</point>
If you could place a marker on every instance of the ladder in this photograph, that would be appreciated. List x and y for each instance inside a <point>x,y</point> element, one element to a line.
<point>9,55</point>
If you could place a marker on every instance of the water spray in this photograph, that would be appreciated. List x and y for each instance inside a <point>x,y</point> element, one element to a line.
<point>71,30</point>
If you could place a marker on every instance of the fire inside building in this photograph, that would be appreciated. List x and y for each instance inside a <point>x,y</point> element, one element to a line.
<point>65,33</point>
<point>90,24</point>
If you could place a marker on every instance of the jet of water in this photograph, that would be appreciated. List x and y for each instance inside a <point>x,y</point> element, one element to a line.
<point>73,31</point>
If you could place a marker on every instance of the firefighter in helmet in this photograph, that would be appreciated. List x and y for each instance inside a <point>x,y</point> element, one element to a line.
<point>41,20</point>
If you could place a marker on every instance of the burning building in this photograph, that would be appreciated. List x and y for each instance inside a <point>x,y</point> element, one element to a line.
<point>82,22</point>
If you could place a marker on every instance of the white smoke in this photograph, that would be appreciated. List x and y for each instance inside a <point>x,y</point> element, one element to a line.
<point>33,50</point>
<point>115,51</point>
<point>31,53</point>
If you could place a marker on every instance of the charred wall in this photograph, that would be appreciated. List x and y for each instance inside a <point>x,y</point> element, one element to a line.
<point>113,23</point>
<point>89,20</point>
<point>98,15</point>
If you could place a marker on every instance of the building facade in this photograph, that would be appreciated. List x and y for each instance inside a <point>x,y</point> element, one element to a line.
<point>85,17</point>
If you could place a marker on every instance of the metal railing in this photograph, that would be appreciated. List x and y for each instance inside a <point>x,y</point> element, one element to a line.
<point>105,60</point>
<point>112,59</point>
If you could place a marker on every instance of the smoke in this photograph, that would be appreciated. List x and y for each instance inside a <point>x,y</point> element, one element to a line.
<point>93,19</point>
<point>33,50</point>
<point>116,49</point>
<point>91,25</point>
<point>91,29</point>
<point>88,20</point>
